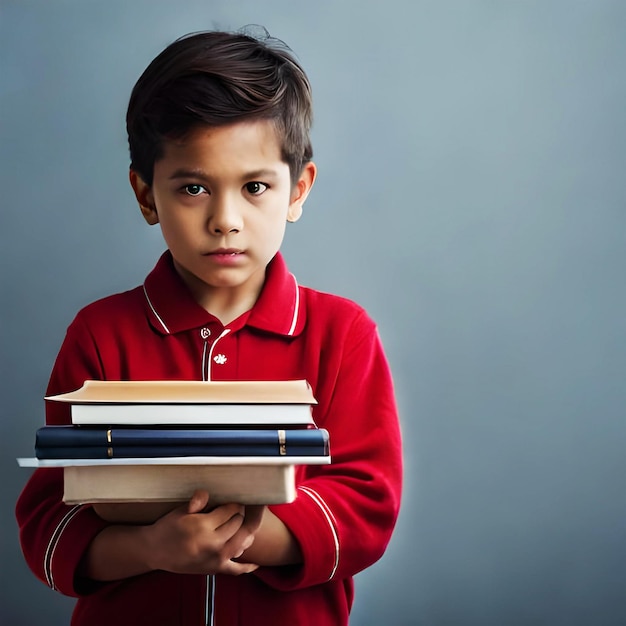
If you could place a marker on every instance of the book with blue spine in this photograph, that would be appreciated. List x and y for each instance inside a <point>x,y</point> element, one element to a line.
<point>72,442</point>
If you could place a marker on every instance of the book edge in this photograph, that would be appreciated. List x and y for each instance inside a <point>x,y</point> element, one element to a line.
<point>33,462</point>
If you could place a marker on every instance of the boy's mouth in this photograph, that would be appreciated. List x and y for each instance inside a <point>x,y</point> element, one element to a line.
<point>225,252</point>
<point>226,257</point>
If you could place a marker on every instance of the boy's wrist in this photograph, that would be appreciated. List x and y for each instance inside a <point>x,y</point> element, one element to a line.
<point>118,552</point>
<point>147,548</point>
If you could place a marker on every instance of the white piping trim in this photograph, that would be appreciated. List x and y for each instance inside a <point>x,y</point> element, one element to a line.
<point>209,609</point>
<point>165,328</point>
<point>205,371</point>
<point>296,308</point>
<point>207,362</point>
<point>330,518</point>
<point>54,540</point>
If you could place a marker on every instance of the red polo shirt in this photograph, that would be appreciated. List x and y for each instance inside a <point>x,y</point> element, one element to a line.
<point>344,513</point>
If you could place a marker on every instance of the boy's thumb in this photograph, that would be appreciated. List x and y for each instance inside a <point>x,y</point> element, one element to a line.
<point>198,502</point>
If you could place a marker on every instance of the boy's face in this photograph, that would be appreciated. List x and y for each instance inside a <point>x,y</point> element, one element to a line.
<point>222,197</point>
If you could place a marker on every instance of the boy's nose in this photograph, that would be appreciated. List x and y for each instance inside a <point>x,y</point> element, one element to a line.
<point>224,216</point>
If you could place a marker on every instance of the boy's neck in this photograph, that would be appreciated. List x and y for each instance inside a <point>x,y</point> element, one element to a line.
<point>225,303</point>
<point>226,313</point>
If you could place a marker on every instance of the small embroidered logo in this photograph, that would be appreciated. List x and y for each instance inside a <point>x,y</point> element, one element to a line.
<point>205,333</point>
<point>220,359</point>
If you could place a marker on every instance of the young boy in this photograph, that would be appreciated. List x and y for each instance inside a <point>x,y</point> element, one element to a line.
<point>218,127</point>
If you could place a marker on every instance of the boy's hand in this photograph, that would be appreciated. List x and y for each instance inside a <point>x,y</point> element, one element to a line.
<point>189,540</point>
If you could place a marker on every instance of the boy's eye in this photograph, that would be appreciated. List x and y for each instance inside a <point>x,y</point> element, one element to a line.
<point>255,188</point>
<point>194,190</point>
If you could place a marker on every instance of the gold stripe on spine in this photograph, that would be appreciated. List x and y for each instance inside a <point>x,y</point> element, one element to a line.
<point>282,443</point>
<point>109,436</point>
<point>110,452</point>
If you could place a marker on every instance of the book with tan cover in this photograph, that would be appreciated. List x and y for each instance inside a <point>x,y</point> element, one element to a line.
<point>151,485</point>
<point>245,484</point>
<point>191,402</point>
<point>143,493</point>
<point>190,392</point>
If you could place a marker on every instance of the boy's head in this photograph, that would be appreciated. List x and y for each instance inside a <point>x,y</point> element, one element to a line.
<point>213,79</point>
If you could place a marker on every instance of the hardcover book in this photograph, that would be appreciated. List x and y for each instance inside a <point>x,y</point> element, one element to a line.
<point>59,442</point>
<point>150,487</point>
<point>191,402</point>
<point>245,484</point>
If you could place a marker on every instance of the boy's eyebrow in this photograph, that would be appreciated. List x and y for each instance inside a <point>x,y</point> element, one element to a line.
<point>262,173</point>
<point>188,173</point>
<point>199,173</point>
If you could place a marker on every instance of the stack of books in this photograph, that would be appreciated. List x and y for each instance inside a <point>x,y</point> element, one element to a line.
<point>159,441</point>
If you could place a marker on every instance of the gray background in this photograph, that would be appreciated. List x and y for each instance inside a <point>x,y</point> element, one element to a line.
<point>471,195</point>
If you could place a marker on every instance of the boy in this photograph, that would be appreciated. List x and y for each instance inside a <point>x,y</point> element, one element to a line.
<point>218,128</point>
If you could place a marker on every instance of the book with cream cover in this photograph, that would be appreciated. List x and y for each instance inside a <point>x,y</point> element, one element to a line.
<point>191,402</point>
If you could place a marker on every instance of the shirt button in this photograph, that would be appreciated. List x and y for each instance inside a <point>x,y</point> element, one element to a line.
<point>205,333</point>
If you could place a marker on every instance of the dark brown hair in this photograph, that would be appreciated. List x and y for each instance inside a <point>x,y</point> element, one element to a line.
<point>215,78</point>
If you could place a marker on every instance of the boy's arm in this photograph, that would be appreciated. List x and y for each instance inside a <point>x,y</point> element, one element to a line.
<point>53,535</point>
<point>344,513</point>
<point>213,543</point>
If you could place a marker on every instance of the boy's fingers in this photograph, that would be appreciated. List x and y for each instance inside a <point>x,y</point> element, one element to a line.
<point>230,515</point>
<point>240,541</point>
<point>237,569</point>
<point>227,523</point>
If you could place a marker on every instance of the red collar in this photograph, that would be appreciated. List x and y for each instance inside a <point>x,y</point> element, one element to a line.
<point>171,309</point>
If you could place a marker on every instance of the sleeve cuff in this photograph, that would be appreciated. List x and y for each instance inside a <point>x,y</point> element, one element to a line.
<point>313,525</point>
<point>66,549</point>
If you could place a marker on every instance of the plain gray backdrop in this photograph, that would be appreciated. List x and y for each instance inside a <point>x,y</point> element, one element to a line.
<point>471,196</point>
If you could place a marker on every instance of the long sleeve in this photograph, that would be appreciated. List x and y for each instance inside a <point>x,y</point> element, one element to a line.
<point>344,513</point>
<point>54,536</point>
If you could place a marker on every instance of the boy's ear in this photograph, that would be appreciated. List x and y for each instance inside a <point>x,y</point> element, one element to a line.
<point>143,193</point>
<point>300,191</point>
